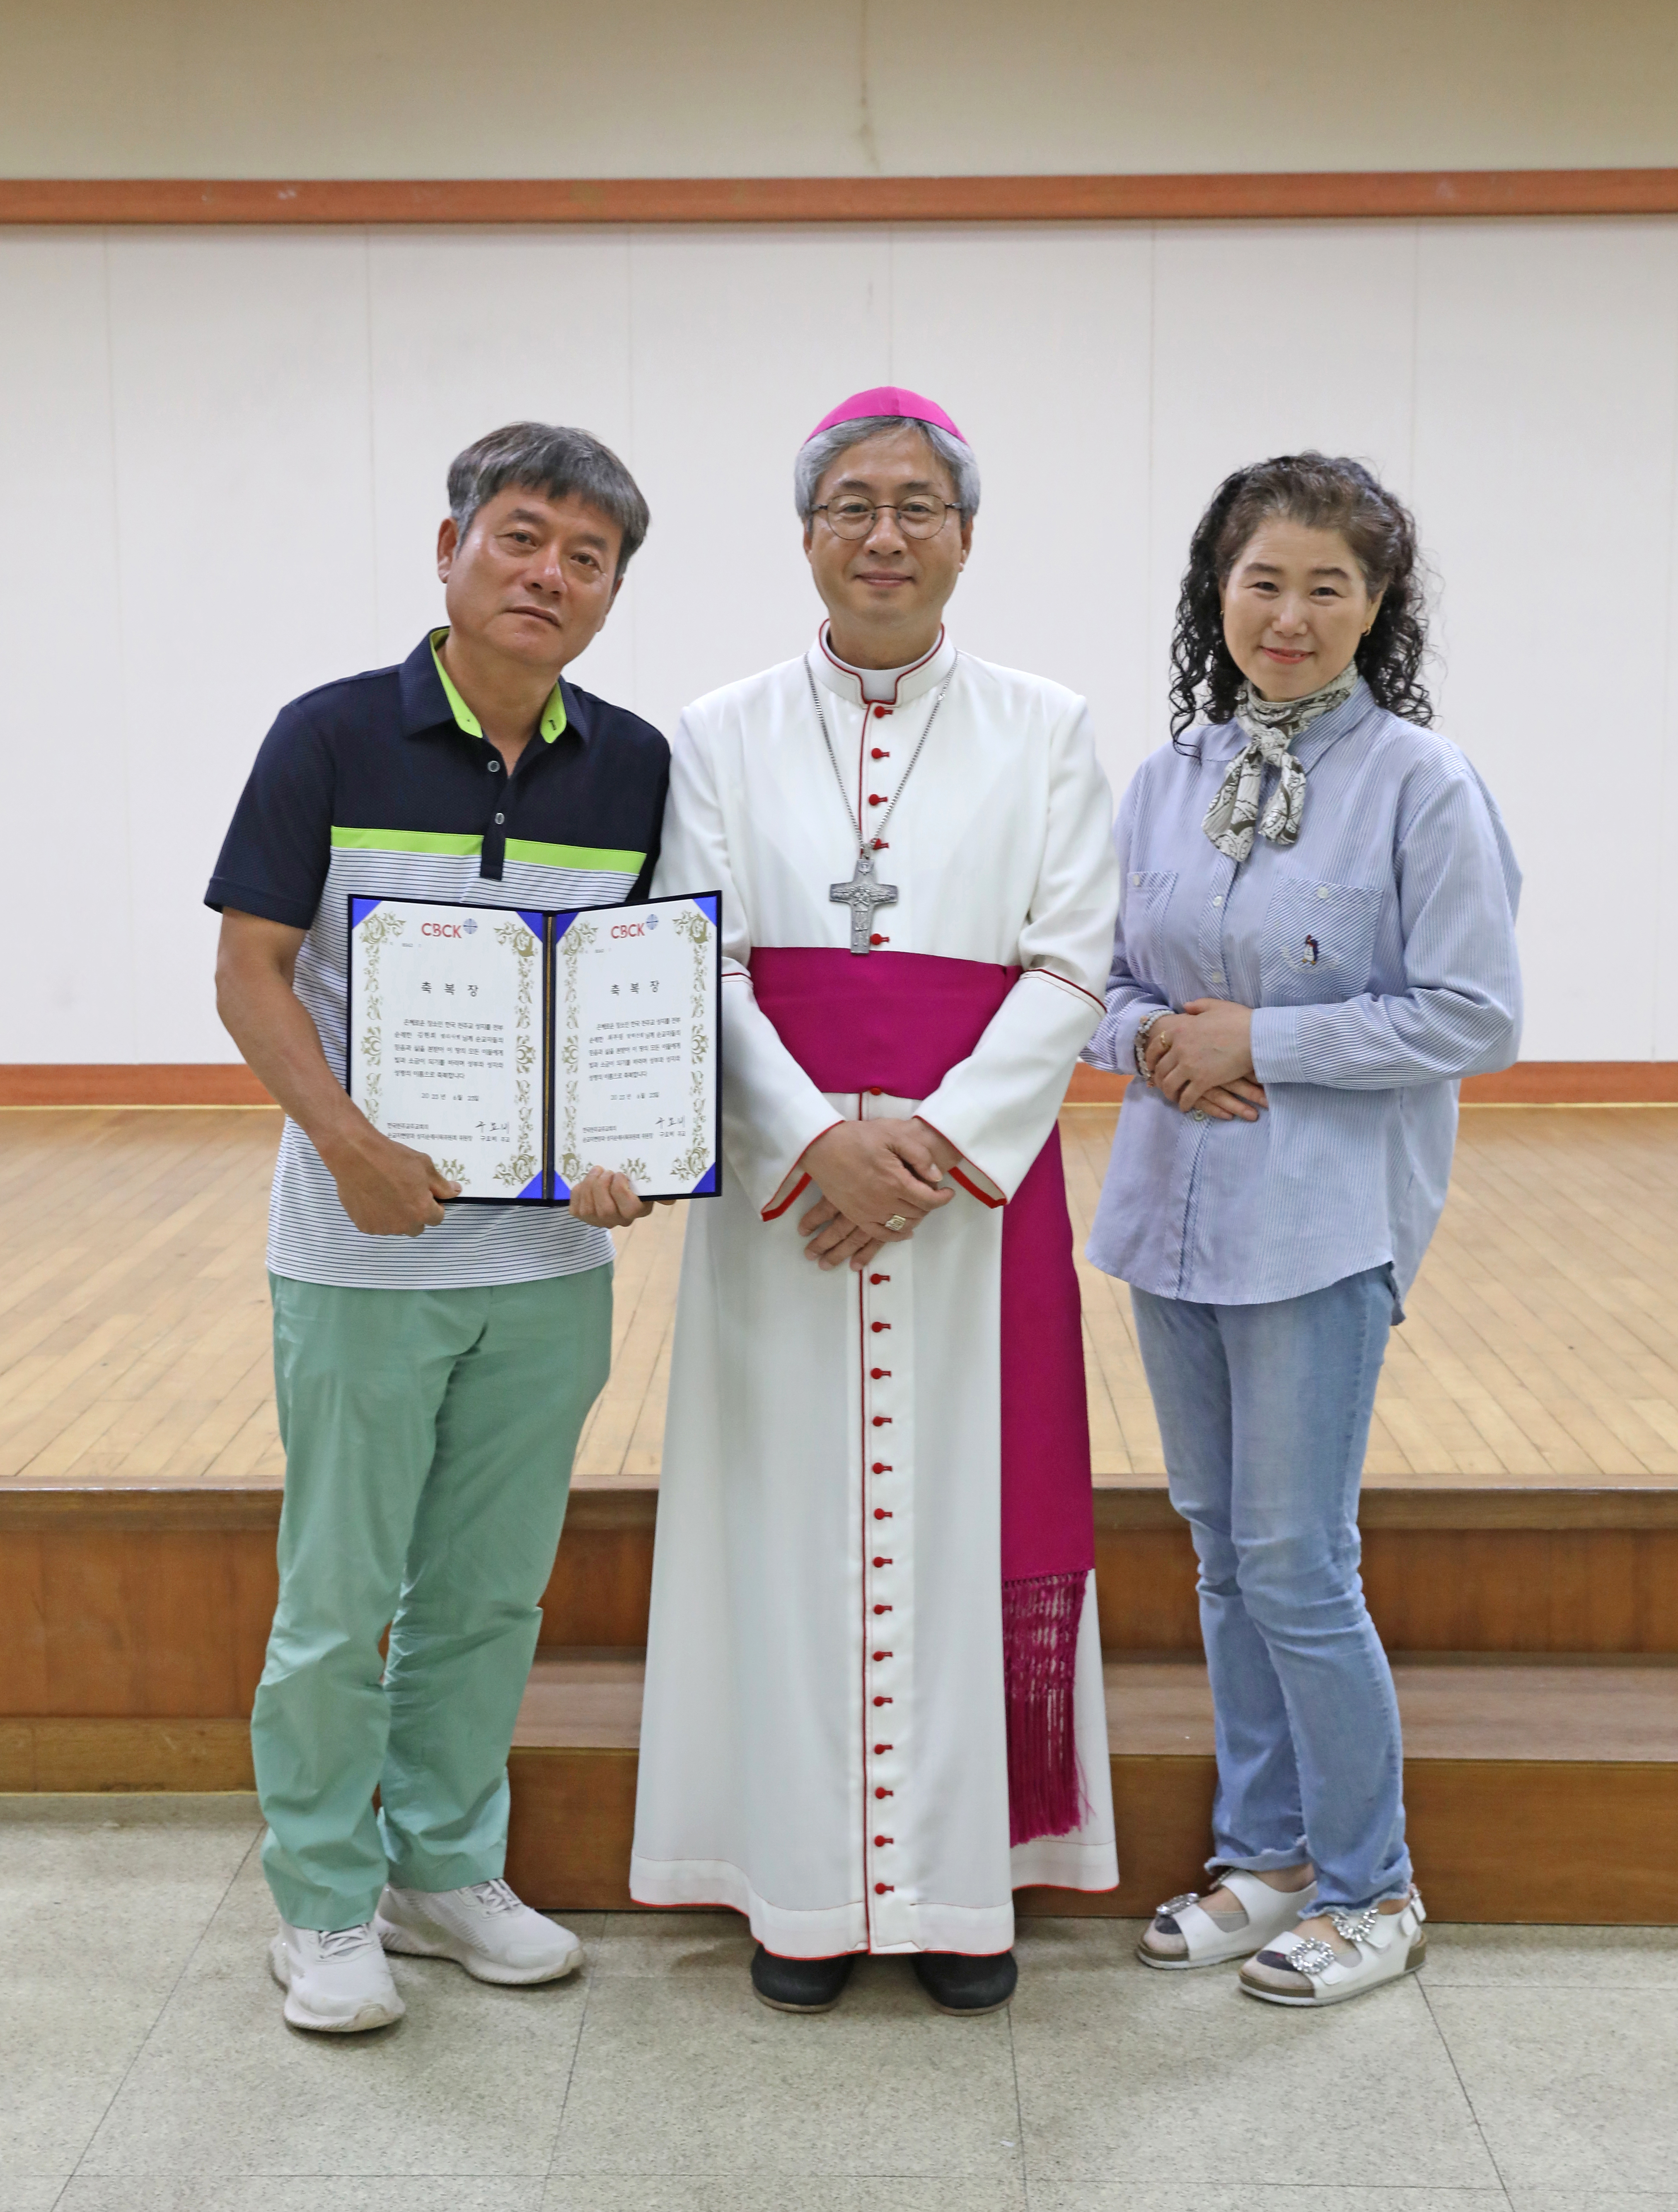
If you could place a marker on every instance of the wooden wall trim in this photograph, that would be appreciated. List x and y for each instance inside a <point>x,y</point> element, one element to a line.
<point>1336,195</point>
<point>120,1082</point>
<point>1528,1083</point>
<point>1577,1083</point>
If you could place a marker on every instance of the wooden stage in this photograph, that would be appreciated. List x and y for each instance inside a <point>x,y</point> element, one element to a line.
<point>1520,1513</point>
<point>1541,1346</point>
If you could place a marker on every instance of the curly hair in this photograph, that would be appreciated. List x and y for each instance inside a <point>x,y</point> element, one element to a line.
<point>1323,493</point>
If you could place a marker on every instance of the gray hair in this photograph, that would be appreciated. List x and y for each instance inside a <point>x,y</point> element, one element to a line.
<point>559,464</point>
<point>815,458</point>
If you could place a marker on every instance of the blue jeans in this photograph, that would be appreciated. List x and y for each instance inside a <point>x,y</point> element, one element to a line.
<point>1265,1413</point>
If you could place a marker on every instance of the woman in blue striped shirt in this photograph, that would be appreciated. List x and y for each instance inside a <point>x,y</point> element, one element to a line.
<point>1316,943</point>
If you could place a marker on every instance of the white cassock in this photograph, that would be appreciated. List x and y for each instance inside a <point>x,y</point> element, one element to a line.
<point>823,1738</point>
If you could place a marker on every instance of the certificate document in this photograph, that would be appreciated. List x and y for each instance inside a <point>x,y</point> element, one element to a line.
<point>520,1048</point>
<point>636,1020</point>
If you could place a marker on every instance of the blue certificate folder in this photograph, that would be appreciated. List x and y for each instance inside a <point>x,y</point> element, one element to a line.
<point>519,1047</point>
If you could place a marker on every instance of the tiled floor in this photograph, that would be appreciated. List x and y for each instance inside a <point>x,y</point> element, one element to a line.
<point>145,2067</point>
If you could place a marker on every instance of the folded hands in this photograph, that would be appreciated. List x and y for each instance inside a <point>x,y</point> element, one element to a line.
<point>878,1180</point>
<point>1201,1060</point>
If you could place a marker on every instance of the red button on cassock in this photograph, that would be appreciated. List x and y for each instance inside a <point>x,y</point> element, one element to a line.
<point>882,1420</point>
<point>880,1842</point>
<point>882,1608</point>
<point>879,1373</point>
<point>880,1513</point>
<point>879,753</point>
<point>880,1887</point>
<point>880,1278</point>
<point>879,1747</point>
<point>882,1562</point>
<point>878,939</point>
<point>876,1326</point>
<point>883,1793</point>
<point>881,1701</point>
<point>882,1655</point>
<point>879,711</point>
<point>882,1466</point>
<point>876,799</point>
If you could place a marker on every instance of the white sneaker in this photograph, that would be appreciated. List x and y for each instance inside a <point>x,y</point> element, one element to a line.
<point>1201,1940</point>
<point>1304,1970</point>
<point>483,1928</point>
<point>336,1982</point>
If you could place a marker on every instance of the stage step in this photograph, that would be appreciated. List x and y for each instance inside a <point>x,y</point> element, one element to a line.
<point>1538,1793</point>
<point>1448,1565</point>
<point>128,1603</point>
<point>1543,1792</point>
<point>132,1625</point>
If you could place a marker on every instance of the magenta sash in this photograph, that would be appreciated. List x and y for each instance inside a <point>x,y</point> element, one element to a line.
<point>899,1022</point>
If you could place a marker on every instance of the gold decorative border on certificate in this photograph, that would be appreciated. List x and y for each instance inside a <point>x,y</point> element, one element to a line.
<point>524,1162</point>
<point>375,933</point>
<point>692,1164</point>
<point>576,942</point>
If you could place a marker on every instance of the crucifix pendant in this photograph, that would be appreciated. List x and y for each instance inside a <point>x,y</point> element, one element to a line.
<point>862,894</point>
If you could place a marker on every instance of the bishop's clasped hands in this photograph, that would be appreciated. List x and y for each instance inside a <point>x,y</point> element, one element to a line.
<point>878,1182</point>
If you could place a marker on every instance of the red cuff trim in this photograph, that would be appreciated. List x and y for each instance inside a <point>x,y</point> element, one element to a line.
<point>955,1173</point>
<point>1053,975</point>
<point>973,1191</point>
<point>774,1212</point>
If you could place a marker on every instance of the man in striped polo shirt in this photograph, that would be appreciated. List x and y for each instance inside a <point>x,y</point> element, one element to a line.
<point>434,1367</point>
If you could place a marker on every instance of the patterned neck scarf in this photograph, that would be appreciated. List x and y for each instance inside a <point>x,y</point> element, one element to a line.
<point>1271,724</point>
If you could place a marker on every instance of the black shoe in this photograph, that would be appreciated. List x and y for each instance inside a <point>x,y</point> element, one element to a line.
<point>960,1984</point>
<point>799,1984</point>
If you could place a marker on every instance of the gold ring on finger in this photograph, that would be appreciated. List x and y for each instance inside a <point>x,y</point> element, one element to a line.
<point>897,1222</point>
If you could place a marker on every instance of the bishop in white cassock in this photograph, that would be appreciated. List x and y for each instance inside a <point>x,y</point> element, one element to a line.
<point>874,1700</point>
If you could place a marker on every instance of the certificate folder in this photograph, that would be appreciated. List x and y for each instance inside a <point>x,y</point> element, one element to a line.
<point>520,1048</point>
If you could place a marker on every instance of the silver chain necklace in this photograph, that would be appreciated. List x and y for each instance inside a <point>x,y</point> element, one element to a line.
<point>865,892</point>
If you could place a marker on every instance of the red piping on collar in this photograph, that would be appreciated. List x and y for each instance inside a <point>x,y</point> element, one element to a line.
<point>845,669</point>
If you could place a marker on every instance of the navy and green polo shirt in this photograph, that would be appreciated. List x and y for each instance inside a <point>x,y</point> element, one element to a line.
<point>384,784</point>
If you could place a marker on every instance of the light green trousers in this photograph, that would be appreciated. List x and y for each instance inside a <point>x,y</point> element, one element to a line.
<point>428,1438</point>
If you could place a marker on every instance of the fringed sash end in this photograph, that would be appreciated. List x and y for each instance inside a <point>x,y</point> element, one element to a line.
<point>1041,1618</point>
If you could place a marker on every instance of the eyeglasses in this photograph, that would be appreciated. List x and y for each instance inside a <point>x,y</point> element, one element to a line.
<point>923,516</point>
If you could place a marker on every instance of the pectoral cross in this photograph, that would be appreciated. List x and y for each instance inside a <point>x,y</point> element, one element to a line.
<point>862,894</point>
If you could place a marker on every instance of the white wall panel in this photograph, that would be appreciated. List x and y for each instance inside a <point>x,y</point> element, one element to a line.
<point>469,332</point>
<point>1666,968</point>
<point>1269,339</point>
<point>63,749</point>
<point>1544,478</point>
<point>1038,341</point>
<point>244,530</point>
<point>741,342</point>
<point>226,451</point>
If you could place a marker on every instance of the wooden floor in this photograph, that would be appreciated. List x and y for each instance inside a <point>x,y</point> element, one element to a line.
<point>1542,1345</point>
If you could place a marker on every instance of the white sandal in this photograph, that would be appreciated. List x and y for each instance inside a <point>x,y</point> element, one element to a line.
<point>1304,1970</point>
<point>1268,1912</point>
